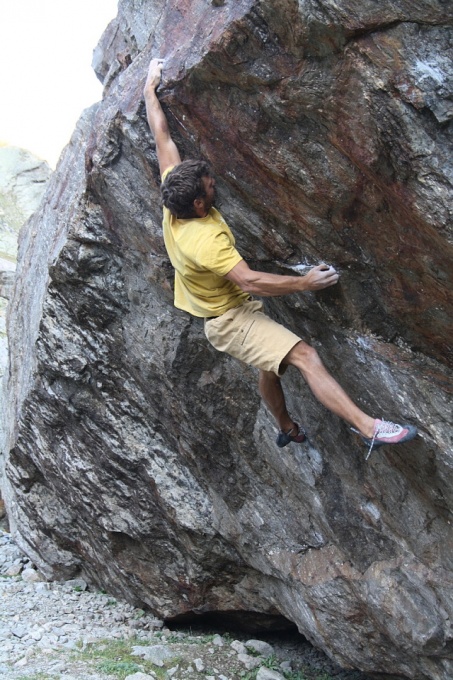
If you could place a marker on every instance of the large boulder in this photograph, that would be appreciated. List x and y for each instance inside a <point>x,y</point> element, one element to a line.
<point>138,457</point>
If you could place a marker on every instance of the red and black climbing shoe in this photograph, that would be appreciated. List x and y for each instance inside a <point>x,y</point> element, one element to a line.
<point>295,434</point>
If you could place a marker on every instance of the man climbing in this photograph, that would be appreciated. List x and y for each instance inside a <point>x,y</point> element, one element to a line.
<point>212,281</point>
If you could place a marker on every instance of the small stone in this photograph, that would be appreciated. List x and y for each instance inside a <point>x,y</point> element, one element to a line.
<point>157,654</point>
<point>71,644</point>
<point>268,674</point>
<point>58,666</point>
<point>250,662</point>
<point>42,587</point>
<point>260,647</point>
<point>77,584</point>
<point>52,639</point>
<point>239,647</point>
<point>32,576</point>
<point>22,662</point>
<point>70,628</point>
<point>199,665</point>
<point>218,641</point>
<point>140,676</point>
<point>14,570</point>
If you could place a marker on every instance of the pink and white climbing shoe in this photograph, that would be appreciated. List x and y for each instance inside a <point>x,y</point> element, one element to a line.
<point>386,432</point>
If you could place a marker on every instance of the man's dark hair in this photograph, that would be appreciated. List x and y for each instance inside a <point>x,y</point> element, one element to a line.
<point>182,186</point>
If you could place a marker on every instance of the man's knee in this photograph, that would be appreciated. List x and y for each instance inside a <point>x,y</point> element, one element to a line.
<point>303,356</point>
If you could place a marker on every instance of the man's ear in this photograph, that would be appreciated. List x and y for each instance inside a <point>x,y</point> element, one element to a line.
<point>199,207</point>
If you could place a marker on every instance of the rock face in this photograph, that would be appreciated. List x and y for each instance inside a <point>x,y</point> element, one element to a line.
<point>142,460</point>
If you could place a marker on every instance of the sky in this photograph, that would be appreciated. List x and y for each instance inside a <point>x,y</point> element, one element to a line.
<point>46,79</point>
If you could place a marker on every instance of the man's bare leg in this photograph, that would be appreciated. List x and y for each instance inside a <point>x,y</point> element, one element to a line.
<point>272,394</point>
<point>326,389</point>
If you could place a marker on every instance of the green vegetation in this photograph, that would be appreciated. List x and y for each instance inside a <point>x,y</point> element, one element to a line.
<point>114,657</point>
<point>185,639</point>
<point>119,668</point>
<point>139,613</point>
<point>271,662</point>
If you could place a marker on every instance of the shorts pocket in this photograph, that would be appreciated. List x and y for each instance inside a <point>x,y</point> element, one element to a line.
<point>245,332</point>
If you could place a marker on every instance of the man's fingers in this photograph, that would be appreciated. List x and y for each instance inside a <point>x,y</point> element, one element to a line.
<point>324,267</point>
<point>156,64</point>
<point>331,273</point>
<point>327,271</point>
<point>327,275</point>
<point>154,74</point>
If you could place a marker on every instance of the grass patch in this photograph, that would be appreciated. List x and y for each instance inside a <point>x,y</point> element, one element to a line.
<point>178,638</point>
<point>114,657</point>
<point>119,668</point>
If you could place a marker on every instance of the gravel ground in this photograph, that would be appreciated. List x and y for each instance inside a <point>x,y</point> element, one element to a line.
<point>62,631</point>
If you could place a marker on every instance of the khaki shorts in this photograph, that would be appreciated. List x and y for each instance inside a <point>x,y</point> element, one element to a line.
<point>251,336</point>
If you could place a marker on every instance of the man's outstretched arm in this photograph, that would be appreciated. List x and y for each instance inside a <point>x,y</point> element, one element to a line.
<point>167,152</point>
<point>272,285</point>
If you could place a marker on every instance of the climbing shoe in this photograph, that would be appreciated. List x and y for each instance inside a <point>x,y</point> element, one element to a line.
<point>295,434</point>
<point>386,432</point>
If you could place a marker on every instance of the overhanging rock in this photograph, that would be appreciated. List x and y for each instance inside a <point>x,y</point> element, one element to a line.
<point>139,457</point>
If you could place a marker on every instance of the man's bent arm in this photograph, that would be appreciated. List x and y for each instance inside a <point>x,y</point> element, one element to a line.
<point>273,285</point>
<point>167,151</point>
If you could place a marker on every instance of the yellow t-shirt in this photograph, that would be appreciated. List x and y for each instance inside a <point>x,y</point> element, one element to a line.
<point>202,251</point>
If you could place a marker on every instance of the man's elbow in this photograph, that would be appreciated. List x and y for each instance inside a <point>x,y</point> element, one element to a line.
<point>250,287</point>
<point>247,284</point>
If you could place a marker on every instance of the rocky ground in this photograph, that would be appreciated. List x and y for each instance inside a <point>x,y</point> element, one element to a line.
<point>62,631</point>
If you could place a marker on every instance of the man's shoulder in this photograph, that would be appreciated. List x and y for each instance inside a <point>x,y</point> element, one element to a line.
<point>218,219</point>
<point>167,172</point>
